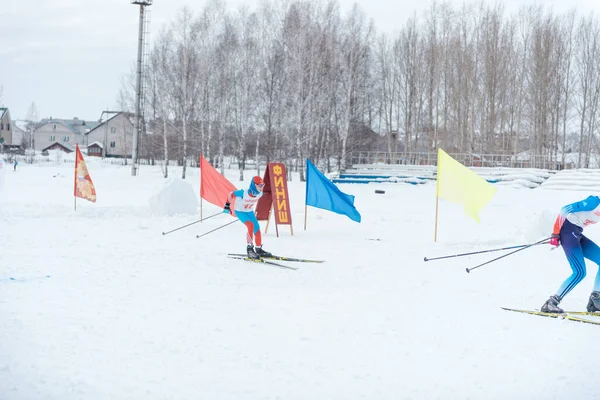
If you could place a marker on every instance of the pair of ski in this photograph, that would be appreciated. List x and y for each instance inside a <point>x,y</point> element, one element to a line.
<point>578,316</point>
<point>271,260</point>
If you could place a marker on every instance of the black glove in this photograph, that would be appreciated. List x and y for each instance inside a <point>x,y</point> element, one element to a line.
<point>227,208</point>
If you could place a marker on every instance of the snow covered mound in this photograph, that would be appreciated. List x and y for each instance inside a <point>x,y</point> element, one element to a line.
<point>423,174</point>
<point>176,197</point>
<point>585,179</point>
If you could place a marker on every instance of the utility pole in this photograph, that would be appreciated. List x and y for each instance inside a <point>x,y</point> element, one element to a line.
<point>138,85</point>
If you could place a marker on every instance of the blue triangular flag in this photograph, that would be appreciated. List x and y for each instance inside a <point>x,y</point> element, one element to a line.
<point>322,193</point>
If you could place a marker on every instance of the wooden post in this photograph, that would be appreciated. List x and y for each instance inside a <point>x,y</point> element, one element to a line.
<point>268,219</point>
<point>437,199</point>
<point>305,209</point>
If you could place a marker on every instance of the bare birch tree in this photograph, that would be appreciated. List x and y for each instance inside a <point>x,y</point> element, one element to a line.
<point>566,73</point>
<point>245,82</point>
<point>159,76</point>
<point>587,71</point>
<point>186,83</point>
<point>355,41</point>
<point>32,119</point>
<point>271,81</point>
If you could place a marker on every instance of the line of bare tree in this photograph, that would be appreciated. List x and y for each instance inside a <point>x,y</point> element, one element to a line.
<point>297,79</point>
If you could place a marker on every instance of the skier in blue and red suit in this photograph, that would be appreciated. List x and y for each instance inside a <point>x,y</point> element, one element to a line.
<point>568,232</point>
<point>244,203</point>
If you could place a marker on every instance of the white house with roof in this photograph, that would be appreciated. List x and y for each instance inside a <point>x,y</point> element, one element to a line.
<point>21,133</point>
<point>5,127</point>
<point>114,136</point>
<point>65,132</point>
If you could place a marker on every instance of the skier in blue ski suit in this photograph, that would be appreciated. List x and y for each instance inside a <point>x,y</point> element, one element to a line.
<point>243,206</point>
<point>568,232</point>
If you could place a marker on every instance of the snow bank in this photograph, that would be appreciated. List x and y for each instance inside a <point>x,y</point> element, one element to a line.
<point>575,179</point>
<point>176,197</point>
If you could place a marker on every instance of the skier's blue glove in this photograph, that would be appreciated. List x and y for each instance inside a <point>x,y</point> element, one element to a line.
<point>227,208</point>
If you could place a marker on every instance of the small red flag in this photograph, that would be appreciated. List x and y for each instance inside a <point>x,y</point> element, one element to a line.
<point>214,187</point>
<point>83,185</point>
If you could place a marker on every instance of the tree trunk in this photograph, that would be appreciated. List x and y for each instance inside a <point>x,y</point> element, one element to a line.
<point>165,148</point>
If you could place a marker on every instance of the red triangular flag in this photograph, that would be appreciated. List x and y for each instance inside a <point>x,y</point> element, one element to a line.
<point>83,185</point>
<point>214,187</point>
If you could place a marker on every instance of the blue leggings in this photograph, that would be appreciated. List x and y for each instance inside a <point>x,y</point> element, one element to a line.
<point>577,247</point>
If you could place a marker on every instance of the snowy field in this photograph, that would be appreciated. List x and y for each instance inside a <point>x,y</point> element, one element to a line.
<point>98,304</point>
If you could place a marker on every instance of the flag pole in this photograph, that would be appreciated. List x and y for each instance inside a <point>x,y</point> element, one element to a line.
<point>437,198</point>
<point>276,229</point>
<point>75,178</point>
<point>200,166</point>
<point>305,210</point>
<point>269,219</point>
<point>306,196</point>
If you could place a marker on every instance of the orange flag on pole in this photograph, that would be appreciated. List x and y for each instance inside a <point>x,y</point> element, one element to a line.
<point>83,186</point>
<point>214,187</point>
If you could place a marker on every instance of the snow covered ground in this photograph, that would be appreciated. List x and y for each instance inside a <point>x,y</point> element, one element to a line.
<point>98,304</point>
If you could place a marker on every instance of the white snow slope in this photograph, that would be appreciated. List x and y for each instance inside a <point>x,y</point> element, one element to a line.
<point>98,304</point>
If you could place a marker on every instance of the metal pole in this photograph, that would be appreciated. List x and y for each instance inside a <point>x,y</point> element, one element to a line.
<point>222,226</point>
<point>138,88</point>
<point>192,223</point>
<point>507,254</point>
<point>479,252</point>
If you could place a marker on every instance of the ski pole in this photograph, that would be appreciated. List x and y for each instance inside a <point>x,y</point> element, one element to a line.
<point>508,254</point>
<point>479,252</point>
<point>216,229</point>
<point>195,222</point>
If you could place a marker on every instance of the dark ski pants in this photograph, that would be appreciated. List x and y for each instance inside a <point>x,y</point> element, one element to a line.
<point>577,247</point>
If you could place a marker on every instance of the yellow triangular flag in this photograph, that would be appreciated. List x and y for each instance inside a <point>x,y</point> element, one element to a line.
<point>458,184</point>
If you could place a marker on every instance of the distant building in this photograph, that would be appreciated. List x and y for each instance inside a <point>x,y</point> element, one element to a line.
<point>20,134</point>
<point>95,149</point>
<point>5,127</point>
<point>58,146</point>
<point>67,132</point>
<point>115,135</point>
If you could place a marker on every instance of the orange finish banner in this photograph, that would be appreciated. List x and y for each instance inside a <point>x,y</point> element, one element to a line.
<point>275,196</point>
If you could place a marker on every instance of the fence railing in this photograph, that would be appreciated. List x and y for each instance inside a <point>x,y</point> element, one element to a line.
<point>469,160</point>
<point>379,158</point>
<point>57,157</point>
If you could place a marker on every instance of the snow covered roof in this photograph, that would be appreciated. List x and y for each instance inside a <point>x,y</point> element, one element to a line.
<point>75,125</point>
<point>99,125</point>
<point>63,145</point>
<point>97,144</point>
<point>21,124</point>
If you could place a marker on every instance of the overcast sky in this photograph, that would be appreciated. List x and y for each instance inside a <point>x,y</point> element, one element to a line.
<point>69,56</point>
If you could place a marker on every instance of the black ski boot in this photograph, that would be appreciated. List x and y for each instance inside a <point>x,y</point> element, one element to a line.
<point>594,303</point>
<point>261,253</point>
<point>251,252</point>
<point>551,305</point>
